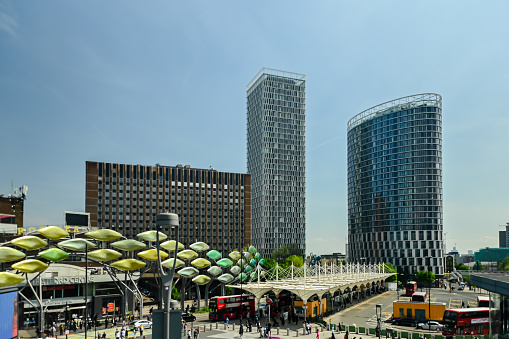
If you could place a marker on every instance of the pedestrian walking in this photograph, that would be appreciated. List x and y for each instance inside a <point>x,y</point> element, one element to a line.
<point>227,321</point>
<point>317,333</point>
<point>104,335</point>
<point>141,330</point>
<point>196,333</point>
<point>241,331</point>
<point>189,334</point>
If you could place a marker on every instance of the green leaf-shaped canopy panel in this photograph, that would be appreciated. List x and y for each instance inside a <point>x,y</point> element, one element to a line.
<point>54,254</point>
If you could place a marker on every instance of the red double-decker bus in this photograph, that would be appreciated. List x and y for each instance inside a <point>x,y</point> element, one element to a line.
<point>231,306</point>
<point>411,288</point>
<point>466,321</point>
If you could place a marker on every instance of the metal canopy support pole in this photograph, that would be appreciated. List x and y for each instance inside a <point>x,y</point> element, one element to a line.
<point>86,289</point>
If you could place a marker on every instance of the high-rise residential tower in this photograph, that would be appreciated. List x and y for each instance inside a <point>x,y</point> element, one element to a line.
<point>276,159</point>
<point>395,184</point>
<point>213,207</point>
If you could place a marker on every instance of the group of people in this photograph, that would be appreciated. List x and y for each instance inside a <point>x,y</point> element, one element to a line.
<point>190,333</point>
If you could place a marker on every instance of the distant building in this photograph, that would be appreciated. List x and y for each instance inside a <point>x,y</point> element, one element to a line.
<point>213,207</point>
<point>11,214</point>
<point>334,257</point>
<point>503,239</point>
<point>276,159</point>
<point>395,184</point>
<point>491,255</point>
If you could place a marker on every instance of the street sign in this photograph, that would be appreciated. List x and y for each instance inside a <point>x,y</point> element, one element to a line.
<point>269,301</point>
<point>111,307</point>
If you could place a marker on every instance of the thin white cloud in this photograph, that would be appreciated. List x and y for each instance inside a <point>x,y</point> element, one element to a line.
<point>8,23</point>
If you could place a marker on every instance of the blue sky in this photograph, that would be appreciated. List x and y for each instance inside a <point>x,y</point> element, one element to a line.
<point>164,82</point>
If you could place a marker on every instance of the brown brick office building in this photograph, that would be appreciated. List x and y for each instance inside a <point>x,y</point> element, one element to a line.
<point>213,207</point>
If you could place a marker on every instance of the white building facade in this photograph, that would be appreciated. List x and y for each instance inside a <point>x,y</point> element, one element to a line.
<point>276,159</point>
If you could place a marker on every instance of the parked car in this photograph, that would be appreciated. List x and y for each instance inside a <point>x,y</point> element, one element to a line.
<point>138,323</point>
<point>430,325</point>
<point>188,317</point>
<point>461,288</point>
<point>404,322</point>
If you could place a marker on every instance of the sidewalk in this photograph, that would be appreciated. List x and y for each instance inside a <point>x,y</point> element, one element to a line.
<point>110,333</point>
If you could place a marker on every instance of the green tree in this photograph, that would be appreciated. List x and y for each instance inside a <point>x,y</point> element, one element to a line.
<point>286,251</point>
<point>424,278</point>
<point>175,295</point>
<point>269,263</point>
<point>297,261</point>
<point>504,265</point>
<point>462,268</point>
<point>389,268</point>
<point>478,266</point>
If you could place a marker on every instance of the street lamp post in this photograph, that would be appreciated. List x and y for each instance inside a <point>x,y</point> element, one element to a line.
<point>172,220</point>
<point>378,311</point>
<point>429,293</point>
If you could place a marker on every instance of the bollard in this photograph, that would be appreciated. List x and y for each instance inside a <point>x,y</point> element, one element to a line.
<point>216,325</point>
<point>287,332</point>
<point>211,327</point>
<point>225,326</point>
<point>233,327</point>
<point>277,331</point>
<point>296,333</point>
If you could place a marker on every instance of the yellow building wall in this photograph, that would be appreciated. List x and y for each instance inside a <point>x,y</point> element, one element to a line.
<point>311,305</point>
<point>437,309</point>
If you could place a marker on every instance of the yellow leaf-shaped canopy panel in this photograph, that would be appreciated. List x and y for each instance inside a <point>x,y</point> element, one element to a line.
<point>29,242</point>
<point>77,245</point>
<point>169,263</point>
<point>54,254</point>
<point>235,255</point>
<point>187,255</point>
<point>30,266</point>
<point>9,279</point>
<point>10,254</point>
<point>128,264</point>
<point>199,246</point>
<point>152,255</point>
<point>104,254</point>
<point>170,245</point>
<point>200,263</point>
<point>104,234</point>
<point>53,232</point>
<point>151,236</point>
<point>201,279</point>
<point>129,245</point>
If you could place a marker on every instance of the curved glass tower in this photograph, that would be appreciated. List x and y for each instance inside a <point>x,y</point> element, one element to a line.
<point>395,184</point>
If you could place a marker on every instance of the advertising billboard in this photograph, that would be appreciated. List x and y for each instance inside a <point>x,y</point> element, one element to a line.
<point>9,315</point>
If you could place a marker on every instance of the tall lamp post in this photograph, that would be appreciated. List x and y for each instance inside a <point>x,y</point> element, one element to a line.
<point>172,220</point>
<point>429,292</point>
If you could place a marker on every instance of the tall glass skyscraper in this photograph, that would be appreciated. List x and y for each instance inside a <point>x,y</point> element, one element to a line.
<point>276,159</point>
<point>395,184</point>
